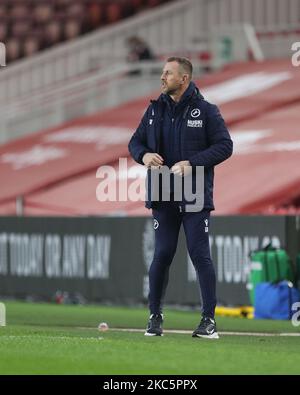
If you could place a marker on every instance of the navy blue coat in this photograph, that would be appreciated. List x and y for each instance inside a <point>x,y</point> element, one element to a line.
<point>203,136</point>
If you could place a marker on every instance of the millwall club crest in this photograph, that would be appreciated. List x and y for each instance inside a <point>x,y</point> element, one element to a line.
<point>195,113</point>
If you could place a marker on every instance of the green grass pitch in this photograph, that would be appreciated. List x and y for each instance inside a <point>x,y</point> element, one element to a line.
<point>63,339</point>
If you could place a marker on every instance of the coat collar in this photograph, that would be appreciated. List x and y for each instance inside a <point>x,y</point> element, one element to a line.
<point>192,91</point>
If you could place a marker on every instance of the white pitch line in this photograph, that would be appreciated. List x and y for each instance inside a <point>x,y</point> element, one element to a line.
<point>185,332</point>
<point>42,337</point>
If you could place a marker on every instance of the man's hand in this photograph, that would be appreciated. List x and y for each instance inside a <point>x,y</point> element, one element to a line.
<point>150,159</point>
<point>182,168</point>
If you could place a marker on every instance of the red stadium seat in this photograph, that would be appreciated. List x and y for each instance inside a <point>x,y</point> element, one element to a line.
<point>3,11</point>
<point>22,17</point>
<point>21,27</point>
<point>31,45</point>
<point>113,12</point>
<point>72,28</point>
<point>19,11</point>
<point>3,30</point>
<point>13,49</point>
<point>76,9</point>
<point>43,12</point>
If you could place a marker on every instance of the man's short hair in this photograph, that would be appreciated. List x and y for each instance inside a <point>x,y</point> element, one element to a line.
<point>184,63</point>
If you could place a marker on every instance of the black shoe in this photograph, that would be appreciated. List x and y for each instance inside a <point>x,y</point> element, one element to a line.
<point>154,327</point>
<point>207,329</point>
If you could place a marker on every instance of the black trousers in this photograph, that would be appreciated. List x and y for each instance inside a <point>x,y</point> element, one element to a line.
<point>167,222</point>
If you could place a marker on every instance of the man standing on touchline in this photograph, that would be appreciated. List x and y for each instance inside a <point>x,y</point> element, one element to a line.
<point>181,130</point>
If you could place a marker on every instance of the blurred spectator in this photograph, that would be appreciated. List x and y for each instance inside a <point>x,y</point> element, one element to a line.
<point>13,49</point>
<point>138,50</point>
<point>52,34</point>
<point>72,29</point>
<point>31,45</point>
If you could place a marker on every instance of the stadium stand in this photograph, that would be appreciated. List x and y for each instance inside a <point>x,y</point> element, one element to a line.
<point>34,25</point>
<point>260,102</point>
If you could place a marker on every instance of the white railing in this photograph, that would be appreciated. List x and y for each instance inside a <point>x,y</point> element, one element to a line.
<point>100,90</point>
<point>261,14</point>
<point>165,27</point>
<point>173,26</point>
<point>278,43</point>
